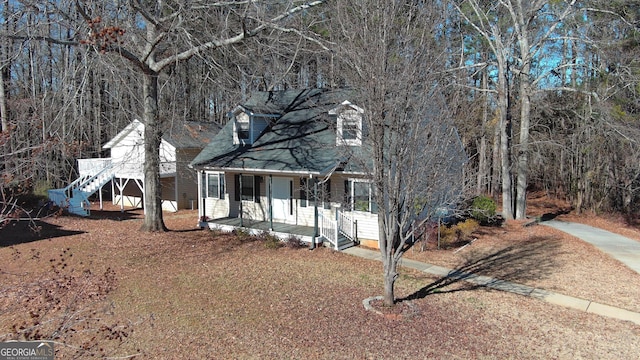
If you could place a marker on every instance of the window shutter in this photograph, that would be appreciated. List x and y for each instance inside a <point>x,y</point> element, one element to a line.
<point>236,183</point>
<point>327,194</point>
<point>303,193</point>
<point>347,195</point>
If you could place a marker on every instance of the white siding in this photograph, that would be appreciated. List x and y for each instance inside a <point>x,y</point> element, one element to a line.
<point>129,151</point>
<point>216,208</point>
<point>367,225</point>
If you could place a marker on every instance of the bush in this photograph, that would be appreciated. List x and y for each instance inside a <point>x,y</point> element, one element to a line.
<point>41,187</point>
<point>483,209</point>
<point>272,242</point>
<point>243,235</point>
<point>294,242</point>
<point>458,234</point>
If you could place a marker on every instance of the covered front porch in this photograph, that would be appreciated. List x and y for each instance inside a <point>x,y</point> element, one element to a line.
<point>281,230</point>
<point>339,234</point>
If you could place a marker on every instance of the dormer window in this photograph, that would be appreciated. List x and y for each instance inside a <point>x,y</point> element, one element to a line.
<point>242,129</point>
<point>349,124</point>
<point>248,126</point>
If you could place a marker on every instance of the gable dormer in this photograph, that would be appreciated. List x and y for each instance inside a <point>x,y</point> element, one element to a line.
<point>349,124</point>
<point>248,126</point>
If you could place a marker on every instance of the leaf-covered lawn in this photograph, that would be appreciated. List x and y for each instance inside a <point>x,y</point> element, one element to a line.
<point>189,294</point>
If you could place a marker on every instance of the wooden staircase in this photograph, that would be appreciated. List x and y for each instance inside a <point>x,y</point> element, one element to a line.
<point>75,197</point>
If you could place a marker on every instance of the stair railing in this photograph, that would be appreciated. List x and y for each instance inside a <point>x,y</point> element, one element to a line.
<point>347,226</point>
<point>328,229</point>
<point>61,197</point>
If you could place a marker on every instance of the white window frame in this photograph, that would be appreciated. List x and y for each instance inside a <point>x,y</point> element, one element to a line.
<point>348,113</point>
<point>221,185</point>
<point>244,185</point>
<point>352,197</point>
<point>350,117</point>
<point>242,120</point>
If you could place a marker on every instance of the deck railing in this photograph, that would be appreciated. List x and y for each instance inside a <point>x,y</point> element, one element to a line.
<point>92,166</point>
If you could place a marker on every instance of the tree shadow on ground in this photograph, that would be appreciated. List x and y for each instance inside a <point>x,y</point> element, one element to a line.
<point>555,214</point>
<point>118,215</point>
<point>20,232</point>
<point>525,261</point>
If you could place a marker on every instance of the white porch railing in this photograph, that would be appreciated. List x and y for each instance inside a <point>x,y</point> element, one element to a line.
<point>347,226</point>
<point>332,230</point>
<point>91,167</point>
<point>75,197</point>
<point>328,229</point>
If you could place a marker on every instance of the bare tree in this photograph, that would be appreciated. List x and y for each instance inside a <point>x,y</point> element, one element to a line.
<point>518,34</point>
<point>412,153</point>
<point>153,37</point>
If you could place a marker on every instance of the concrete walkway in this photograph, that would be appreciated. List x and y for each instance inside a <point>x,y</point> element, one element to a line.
<point>621,248</point>
<point>485,281</point>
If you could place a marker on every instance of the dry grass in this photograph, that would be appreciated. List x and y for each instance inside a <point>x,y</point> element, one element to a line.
<point>189,294</point>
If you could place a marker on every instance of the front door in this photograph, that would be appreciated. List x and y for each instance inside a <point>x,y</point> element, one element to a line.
<point>282,198</point>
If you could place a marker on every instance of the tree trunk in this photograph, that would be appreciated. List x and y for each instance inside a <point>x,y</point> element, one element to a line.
<point>152,137</point>
<point>3,105</point>
<point>483,168</point>
<point>525,110</point>
<point>389,264</point>
<point>390,275</point>
<point>505,141</point>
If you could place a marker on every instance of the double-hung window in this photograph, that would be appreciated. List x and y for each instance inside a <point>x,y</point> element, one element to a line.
<point>307,197</point>
<point>213,185</point>
<point>359,196</point>
<point>247,190</point>
<point>349,128</point>
<point>247,187</point>
<point>242,129</point>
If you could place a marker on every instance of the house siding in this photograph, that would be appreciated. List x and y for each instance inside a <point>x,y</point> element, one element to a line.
<point>187,180</point>
<point>215,208</point>
<point>130,152</point>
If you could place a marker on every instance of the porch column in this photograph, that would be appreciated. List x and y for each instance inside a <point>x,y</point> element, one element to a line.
<point>270,199</point>
<point>315,213</point>
<point>100,196</point>
<point>201,184</point>
<point>175,190</point>
<point>240,197</point>
<point>121,196</point>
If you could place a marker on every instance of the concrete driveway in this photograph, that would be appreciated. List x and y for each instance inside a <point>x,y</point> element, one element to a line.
<point>617,246</point>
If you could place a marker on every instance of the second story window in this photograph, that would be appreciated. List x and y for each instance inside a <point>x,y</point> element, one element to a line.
<point>242,129</point>
<point>349,124</point>
<point>351,127</point>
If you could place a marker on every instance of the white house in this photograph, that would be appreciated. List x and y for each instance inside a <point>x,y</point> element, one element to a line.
<point>281,164</point>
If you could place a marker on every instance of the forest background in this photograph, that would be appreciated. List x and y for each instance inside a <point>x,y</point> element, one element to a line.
<point>545,94</point>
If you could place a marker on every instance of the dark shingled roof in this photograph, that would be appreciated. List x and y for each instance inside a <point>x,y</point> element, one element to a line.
<point>191,134</point>
<point>302,139</point>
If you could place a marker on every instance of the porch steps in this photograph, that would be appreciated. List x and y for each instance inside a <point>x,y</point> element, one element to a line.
<point>344,243</point>
<point>75,197</point>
